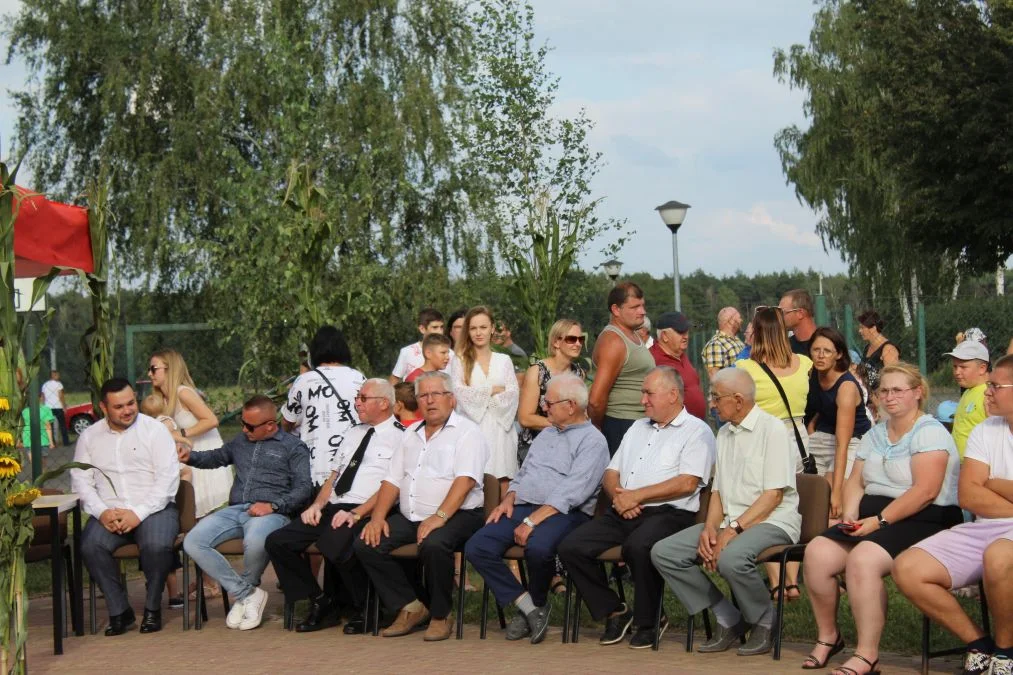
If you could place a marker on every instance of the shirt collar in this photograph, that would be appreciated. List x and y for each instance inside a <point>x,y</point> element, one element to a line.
<point>451,422</point>
<point>748,422</point>
<point>386,424</point>
<point>677,421</point>
<point>579,425</point>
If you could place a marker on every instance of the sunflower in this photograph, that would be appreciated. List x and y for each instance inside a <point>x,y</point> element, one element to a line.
<point>6,439</point>
<point>9,467</point>
<point>4,404</point>
<point>24,498</point>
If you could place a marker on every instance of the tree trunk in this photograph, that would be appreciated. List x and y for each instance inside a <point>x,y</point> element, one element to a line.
<point>1000,280</point>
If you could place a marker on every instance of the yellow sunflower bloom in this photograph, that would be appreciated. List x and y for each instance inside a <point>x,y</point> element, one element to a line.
<point>6,438</point>
<point>24,498</point>
<point>9,467</point>
<point>4,404</point>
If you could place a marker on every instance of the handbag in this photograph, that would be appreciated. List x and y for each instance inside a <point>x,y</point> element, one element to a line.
<point>808,461</point>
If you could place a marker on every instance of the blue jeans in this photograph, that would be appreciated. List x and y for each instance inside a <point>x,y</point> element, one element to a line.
<point>233,522</point>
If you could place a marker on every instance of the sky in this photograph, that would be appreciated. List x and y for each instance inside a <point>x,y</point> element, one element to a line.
<point>685,107</point>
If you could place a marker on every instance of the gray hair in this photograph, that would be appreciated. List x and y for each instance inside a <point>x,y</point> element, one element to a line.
<point>671,377</point>
<point>738,381</point>
<point>448,384</point>
<point>382,388</point>
<point>647,323</point>
<point>570,387</point>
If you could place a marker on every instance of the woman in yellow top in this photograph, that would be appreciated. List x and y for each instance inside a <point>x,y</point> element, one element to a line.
<point>771,348</point>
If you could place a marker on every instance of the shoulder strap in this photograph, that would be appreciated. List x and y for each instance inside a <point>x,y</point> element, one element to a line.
<point>784,398</point>
<point>324,377</point>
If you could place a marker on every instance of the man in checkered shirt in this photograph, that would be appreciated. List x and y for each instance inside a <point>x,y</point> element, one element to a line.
<point>724,347</point>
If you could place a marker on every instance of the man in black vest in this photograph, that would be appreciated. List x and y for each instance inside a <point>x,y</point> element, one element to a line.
<point>339,512</point>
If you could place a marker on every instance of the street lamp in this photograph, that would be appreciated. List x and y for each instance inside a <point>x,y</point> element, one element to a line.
<point>612,269</point>
<point>673,213</point>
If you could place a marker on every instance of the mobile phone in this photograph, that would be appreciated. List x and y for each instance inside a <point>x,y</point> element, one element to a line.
<point>848,527</point>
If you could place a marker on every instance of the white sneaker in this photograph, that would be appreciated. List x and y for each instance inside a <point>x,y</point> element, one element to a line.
<point>253,609</point>
<point>235,615</point>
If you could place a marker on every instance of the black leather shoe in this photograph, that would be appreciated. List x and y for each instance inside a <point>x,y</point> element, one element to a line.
<point>323,614</point>
<point>121,623</point>
<point>152,621</point>
<point>355,626</point>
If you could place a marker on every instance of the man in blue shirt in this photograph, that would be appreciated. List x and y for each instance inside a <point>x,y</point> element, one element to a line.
<point>554,492</point>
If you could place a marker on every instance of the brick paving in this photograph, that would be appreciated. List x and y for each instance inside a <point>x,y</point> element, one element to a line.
<point>271,649</point>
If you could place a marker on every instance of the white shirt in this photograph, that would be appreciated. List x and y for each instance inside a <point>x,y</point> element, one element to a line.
<point>753,457</point>
<point>650,454</point>
<point>51,393</point>
<point>323,415</point>
<point>140,461</point>
<point>991,442</point>
<point>424,469</point>
<point>375,461</point>
<point>411,358</point>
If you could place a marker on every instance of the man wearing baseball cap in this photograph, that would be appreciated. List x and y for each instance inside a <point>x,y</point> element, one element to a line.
<point>670,350</point>
<point>970,370</point>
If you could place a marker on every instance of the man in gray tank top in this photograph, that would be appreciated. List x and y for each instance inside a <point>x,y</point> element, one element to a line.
<point>621,362</point>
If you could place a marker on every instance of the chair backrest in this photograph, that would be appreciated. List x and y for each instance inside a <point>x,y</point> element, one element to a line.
<point>490,486</point>
<point>187,506</point>
<point>705,501</point>
<point>813,504</point>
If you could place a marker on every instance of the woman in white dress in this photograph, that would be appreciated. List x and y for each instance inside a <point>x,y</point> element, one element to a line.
<point>487,393</point>
<point>197,424</point>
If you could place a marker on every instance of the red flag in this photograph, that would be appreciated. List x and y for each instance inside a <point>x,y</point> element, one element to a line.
<point>48,234</point>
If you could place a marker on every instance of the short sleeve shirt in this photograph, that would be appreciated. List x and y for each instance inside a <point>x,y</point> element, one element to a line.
<point>991,443</point>
<point>323,413</point>
<point>51,393</point>
<point>887,468</point>
<point>410,358</point>
<point>970,413</point>
<point>45,417</point>
<point>375,460</point>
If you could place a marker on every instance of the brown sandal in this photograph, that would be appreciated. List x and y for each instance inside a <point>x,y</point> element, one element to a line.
<point>851,671</point>
<point>812,663</point>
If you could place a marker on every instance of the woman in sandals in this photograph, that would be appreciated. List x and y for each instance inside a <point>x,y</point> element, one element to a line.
<point>772,349</point>
<point>902,489</point>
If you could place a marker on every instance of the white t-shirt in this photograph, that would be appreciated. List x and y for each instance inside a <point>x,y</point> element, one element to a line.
<point>322,414</point>
<point>991,442</point>
<point>51,393</point>
<point>411,358</point>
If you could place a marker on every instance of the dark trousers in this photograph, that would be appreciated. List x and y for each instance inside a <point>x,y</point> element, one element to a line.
<point>286,546</point>
<point>614,429</point>
<point>61,424</point>
<point>486,548</point>
<point>580,550</point>
<point>435,586</point>
<point>154,537</point>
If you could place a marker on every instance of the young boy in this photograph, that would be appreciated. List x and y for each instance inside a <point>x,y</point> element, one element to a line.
<point>406,408</point>
<point>436,352</point>
<point>411,357</point>
<point>47,434</point>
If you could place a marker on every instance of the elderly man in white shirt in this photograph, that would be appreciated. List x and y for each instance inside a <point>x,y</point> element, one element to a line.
<point>753,505</point>
<point>138,455</point>
<point>437,473</point>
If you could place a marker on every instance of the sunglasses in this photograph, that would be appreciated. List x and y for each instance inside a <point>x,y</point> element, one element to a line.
<point>252,427</point>
<point>362,398</point>
<point>153,369</point>
<point>574,339</point>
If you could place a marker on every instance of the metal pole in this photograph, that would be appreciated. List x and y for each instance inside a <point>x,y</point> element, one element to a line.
<point>675,268</point>
<point>822,317</point>
<point>35,428</point>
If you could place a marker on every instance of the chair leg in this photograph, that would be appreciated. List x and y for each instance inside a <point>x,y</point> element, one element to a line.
<point>366,614</point>
<point>92,610</point>
<point>460,602</point>
<point>72,586</point>
<point>690,632</point>
<point>925,645</point>
<point>620,589</point>
<point>657,620</point>
<point>575,636</point>
<point>375,610</point>
<point>567,599</point>
<point>985,622</point>
<point>524,573</point>
<point>225,601</point>
<point>483,620</point>
<point>707,625</point>
<point>186,590</point>
<point>779,608</point>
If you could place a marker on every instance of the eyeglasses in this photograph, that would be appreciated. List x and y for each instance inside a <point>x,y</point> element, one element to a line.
<point>822,352</point>
<point>890,393</point>
<point>718,397</point>
<point>432,394</point>
<point>362,398</point>
<point>573,339</point>
<point>152,369</point>
<point>992,386</point>
<point>253,427</point>
<point>546,403</point>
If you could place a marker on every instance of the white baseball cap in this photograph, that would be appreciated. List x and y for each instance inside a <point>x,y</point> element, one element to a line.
<point>969,350</point>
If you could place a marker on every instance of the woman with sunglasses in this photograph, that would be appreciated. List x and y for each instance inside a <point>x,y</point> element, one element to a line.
<point>902,489</point>
<point>772,349</point>
<point>197,426</point>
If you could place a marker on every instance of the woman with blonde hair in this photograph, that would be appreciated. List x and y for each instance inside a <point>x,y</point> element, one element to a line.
<point>487,392</point>
<point>566,342</point>
<point>902,489</point>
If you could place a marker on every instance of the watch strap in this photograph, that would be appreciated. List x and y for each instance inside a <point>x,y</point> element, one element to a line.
<point>527,521</point>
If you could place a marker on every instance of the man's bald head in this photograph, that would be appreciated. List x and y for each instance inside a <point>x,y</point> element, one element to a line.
<point>729,320</point>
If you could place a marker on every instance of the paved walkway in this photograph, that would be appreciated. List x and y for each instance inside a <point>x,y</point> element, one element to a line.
<point>271,649</point>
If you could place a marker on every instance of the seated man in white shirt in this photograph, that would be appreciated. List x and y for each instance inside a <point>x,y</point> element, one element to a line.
<point>437,472</point>
<point>337,515</point>
<point>654,484</point>
<point>753,505</point>
<point>138,455</point>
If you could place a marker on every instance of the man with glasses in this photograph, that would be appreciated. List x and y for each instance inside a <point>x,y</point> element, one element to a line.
<point>554,491</point>
<point>982,549</point>
<point>797,307</point>
<point>436,474</point>
<point>341,509</point>
<point>653,484</point>
<point>670,350</point>
<point>272,483</point>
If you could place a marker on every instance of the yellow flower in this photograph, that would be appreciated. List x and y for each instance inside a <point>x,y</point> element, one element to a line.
<point>9,467</point>
<point>6,438</point>
<point>4,404</point>
<point>24,498</point>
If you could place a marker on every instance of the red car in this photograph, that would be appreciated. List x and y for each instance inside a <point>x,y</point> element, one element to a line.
<point>81,416</point>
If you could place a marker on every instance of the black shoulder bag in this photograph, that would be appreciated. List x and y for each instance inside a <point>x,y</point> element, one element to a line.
<point>808,461</point>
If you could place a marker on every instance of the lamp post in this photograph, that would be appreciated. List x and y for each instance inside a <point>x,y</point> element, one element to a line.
<point>673,213</point>
<point>612,269</point>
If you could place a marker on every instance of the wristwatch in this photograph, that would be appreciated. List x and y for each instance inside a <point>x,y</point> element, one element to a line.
<point>883,522</point>
<point>274,507</point>
<point>182,432</point>
<point>441,514</point>
<point>530,523</point>
<point>735,526</point>
<point>355,516</point>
